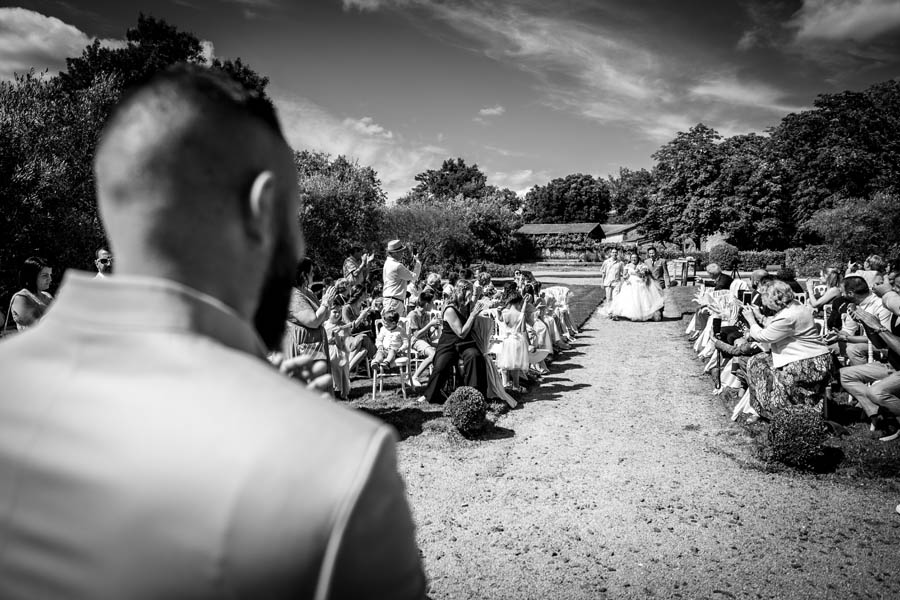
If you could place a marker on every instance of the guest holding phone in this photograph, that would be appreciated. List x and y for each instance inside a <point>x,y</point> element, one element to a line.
<point>800,366</point>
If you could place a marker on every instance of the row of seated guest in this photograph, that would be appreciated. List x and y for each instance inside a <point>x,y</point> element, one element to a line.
<point>792,362</point>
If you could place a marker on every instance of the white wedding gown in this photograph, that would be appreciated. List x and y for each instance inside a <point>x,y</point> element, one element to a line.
<point>637,299</point>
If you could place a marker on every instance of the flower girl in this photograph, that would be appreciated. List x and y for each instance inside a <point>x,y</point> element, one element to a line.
<point>513,358</point>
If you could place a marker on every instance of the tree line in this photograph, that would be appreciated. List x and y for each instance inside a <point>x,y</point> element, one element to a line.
<point>830,173</point>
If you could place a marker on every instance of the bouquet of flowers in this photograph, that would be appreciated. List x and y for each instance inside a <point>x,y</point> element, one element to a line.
<point>644,272</point>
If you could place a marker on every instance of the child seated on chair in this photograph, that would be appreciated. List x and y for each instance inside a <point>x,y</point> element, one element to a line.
<point>421,332</point>
<point>390,341</point>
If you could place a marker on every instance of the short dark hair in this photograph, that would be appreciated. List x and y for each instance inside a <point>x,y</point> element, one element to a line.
<point>211,89</point>
<point>29,272</point>
<point>98,251</point>
<point>424,298</point>
<point>390,316</point>
<point>856,285</point>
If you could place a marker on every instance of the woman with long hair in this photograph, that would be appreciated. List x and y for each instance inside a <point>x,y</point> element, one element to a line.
<point>29,304</point>
<point>456,342</point>
<point>833,277</point>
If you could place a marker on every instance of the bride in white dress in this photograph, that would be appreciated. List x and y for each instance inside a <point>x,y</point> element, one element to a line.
<point>639,298</point>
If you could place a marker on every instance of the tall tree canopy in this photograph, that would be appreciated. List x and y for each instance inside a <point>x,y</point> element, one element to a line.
<point>686,202</point>
<point>576,198</point>
<point>630,194</point>
<point>454,178</point>
<point>151,46</point>
<point>342,205</point>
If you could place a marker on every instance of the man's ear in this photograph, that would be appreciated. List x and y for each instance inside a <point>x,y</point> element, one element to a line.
<point>261,206</point>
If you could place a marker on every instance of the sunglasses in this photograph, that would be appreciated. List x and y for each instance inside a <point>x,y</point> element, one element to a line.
<point>105,261</point>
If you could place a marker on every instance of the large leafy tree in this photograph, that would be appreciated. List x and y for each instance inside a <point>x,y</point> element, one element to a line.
<point>576,198</point>
<point>755,209</point>
<point>151,46</point>
<point>47,141</point>
<point>857,227</point>
<point>343,204</point>
<point>454,178</point>
<point>630,194</point>
<point>847,146</point>
<point>686,204</point>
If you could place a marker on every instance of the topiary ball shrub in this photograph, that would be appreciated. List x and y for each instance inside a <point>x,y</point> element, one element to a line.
<point>795,437</point>
<point>466,409</point>
<point>726,256</point>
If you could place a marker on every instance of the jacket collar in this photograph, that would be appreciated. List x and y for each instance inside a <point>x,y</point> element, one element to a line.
<point>128,303</point>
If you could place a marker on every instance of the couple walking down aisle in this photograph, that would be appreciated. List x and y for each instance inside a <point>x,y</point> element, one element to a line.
<point>639,297</point>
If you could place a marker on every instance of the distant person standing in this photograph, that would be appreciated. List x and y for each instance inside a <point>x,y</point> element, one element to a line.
<point>103,260</point>
<point>356,266</point>
<point>659,269</point>
<point>613,275</point>
<point>396,277</point>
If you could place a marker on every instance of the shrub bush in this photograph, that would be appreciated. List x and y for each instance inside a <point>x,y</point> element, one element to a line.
<point>725,255</point>
<point>759,259</point>
<point>795,437</point>
<point>810,260</point>
<point>501,271</point>
<point>466,409</point>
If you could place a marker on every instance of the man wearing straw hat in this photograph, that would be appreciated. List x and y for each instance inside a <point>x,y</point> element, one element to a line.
<point>397,277</point>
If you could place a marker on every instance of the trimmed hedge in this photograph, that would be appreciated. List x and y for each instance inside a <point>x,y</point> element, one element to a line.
<point>466,409</point>
<point>796,437</point>
<point>810,260</point>
<point>725,255</point>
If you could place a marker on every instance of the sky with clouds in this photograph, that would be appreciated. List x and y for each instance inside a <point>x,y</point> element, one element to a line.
<point>527,89</point>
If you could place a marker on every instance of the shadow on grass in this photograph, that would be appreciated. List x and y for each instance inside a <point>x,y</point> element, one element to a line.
<point>407,421</point>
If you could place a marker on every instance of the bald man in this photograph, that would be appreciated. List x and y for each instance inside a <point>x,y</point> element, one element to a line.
<point>147,448</point>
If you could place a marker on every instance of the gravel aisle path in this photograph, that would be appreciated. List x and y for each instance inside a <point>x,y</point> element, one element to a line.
<point>621,477</point>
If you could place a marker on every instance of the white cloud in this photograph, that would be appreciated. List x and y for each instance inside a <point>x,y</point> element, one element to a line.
<point>29,39</point>
<point>731,91</point>
<point>594,69</point>
<point>837,20</point>
<point>367,126</point>
<point>309,126</point>
<point>519,181</point>
<point>504,151</point>
<point>493,111</point>
<point>362,5</point>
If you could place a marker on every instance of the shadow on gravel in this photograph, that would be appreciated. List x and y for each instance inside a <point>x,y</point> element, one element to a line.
<point>494,432</point>
<point>407,421</point>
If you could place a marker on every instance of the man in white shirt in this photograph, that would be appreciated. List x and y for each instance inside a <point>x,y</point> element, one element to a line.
<point>147,447</point>
<point>857,291</point>
<point>396,277</point>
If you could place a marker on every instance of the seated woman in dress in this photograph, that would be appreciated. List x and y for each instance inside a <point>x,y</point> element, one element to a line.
<point>798,369</point>
<point>29,304</point>
<point>639,298</point>
<point>456,342</point>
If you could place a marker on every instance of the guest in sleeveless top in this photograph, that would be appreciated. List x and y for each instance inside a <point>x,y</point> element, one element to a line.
<point>457,342</point>
<point>305,334</point>
<point>29,304</point>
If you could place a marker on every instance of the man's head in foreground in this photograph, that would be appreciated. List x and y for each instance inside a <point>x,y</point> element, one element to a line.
<point>195,183</point>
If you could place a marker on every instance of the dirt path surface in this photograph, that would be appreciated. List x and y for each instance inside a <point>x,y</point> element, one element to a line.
<point>620,477</point>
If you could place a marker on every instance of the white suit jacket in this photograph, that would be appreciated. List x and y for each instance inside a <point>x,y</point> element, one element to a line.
<point>148,450</point>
